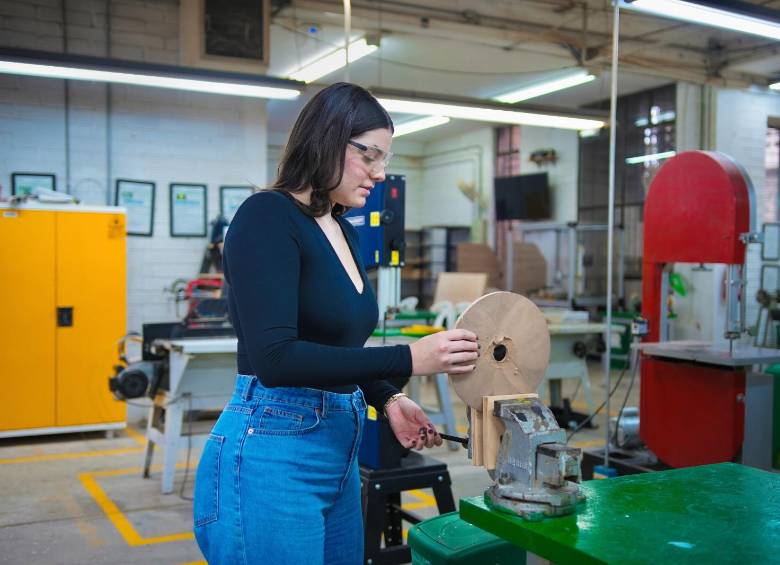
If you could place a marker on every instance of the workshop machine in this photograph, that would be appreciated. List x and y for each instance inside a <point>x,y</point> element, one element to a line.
<point>380,224</point>
<point>700,403</point>
<point>512,434</point>
<point>206,316</point>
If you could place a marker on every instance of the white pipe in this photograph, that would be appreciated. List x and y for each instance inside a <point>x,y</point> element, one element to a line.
<point>347,32</point>
<point>611,214</point>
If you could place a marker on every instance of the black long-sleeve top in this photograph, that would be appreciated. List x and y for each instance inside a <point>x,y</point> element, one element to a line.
<point>299,319</point>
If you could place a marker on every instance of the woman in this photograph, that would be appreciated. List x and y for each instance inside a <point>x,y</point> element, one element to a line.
<point>278,478</point>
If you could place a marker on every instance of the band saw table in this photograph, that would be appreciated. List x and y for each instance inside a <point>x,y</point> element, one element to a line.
<point>721,513</point>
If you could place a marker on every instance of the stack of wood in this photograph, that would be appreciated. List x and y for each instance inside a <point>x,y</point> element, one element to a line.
<point>479,258</point>
<point>529,267</point>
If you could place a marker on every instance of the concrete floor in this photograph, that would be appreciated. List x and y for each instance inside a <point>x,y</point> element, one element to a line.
<point>76,499</point>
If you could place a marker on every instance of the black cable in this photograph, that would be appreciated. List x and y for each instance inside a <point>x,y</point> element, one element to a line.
<point>576,391</point>
<point>189,448</point>
<point>625,400</point>
<point>597,410</point>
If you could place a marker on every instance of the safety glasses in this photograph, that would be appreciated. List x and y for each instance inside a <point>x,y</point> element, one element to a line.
<point>373,155</point>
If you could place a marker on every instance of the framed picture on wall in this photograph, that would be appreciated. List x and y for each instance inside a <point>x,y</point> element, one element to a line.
<point>137,197</point>
<point>230,198</point>
<point>188,210</point>
<point>24,184</point>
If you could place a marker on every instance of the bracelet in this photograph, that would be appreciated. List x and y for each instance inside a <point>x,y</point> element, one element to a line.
<point>395,397</point>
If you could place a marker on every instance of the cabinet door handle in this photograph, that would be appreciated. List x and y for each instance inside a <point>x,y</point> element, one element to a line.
<point>65,316</point>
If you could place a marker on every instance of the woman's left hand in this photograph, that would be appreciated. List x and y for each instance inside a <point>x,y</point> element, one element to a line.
<point>411,426</point>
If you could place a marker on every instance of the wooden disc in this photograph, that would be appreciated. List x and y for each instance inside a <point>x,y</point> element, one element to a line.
<point>515,347</point>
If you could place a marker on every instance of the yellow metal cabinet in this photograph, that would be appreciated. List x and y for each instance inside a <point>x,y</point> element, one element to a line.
<point>62,276</point>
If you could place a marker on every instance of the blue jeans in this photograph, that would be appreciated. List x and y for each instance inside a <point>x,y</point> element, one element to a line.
<point>278,480</point>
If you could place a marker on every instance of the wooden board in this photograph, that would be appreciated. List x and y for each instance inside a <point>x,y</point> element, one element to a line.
<point>486,430</point>
<point>479,258</point>
<point>476,437</point>
<point>529,268</point>
<point>460,287</point>
<point>515,348</point>
<point>493,427</point>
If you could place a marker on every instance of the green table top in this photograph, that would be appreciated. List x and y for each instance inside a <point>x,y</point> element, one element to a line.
<point>415,315</point>
<point>724,513</point>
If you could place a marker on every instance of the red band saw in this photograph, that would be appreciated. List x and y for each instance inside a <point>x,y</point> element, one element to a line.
<point>700,208</point>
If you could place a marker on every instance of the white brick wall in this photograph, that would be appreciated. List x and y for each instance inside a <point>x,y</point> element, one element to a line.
<point>700,314</point>
<point>740,131</point>
<point>688,125</point>
<point>469,158</point>
<point>157,135</point>
<point>562,174</point>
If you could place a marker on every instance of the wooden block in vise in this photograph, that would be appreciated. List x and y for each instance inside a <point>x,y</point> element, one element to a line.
<point>476,437</point>
<point>484,451</point>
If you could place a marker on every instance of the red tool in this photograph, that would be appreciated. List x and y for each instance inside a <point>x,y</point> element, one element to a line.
<point>697,208</point>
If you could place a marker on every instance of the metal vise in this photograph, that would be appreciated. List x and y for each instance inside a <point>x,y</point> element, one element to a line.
<point>537,474</point>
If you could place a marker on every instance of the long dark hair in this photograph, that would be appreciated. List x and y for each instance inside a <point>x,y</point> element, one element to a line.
<point>314,154</point>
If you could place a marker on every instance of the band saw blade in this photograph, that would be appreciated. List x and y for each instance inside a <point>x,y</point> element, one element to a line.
<point>515,347</point>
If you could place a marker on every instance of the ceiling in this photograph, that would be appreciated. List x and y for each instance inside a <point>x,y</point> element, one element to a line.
<point>481,49</point>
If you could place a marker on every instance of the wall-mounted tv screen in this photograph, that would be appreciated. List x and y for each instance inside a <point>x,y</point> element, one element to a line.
<point>524,197</point>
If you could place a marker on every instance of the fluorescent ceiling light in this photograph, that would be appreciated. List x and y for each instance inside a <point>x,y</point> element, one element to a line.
<point>233,89</point>
<point>486,114</point>
<point>652,157</point>
<point>419,125</point>
<point>656,119</point>
<point>576,78</point>
<point>331,61</point>
<point>729,16</point>
<point>775,86</point>
<point>95,69</point>
<point>589,133</point>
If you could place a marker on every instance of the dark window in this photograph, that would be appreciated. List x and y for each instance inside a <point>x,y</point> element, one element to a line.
<point>646,127</point>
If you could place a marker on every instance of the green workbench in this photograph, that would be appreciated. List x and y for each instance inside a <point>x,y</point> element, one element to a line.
<point>724,513</point>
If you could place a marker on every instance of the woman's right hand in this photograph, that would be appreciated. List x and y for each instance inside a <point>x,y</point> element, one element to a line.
<point>452,351</point>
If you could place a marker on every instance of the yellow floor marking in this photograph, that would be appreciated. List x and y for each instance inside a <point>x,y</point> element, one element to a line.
<point>116,516</point>
<point>139,437</point>
<point>117,472</point>
<point>87,529</point>
<point>196,563</point>
<point>426,500</point>
<point>76,455</point>
<point>587,443</point>
<point>581,406</point>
